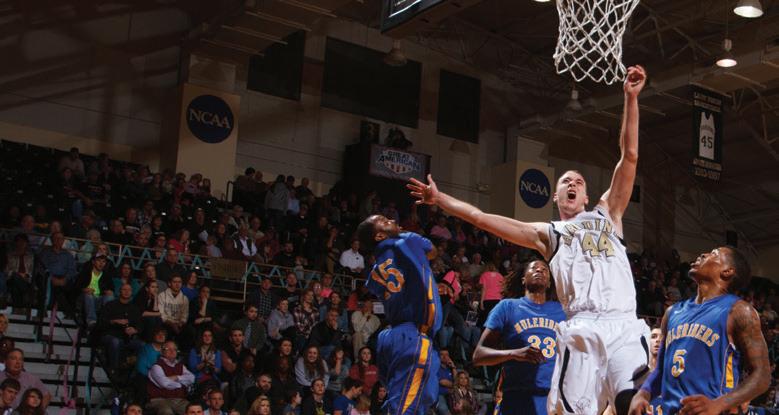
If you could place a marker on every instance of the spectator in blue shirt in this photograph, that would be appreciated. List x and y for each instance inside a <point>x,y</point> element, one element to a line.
<point>344,403</point>
<point>445,381</point>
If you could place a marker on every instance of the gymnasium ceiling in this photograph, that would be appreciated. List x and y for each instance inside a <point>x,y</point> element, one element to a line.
<point>677,40</point>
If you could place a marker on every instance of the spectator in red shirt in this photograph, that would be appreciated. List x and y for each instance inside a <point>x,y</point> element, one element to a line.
<point>364,370</point>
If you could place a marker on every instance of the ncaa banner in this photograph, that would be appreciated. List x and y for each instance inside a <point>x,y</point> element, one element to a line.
<point>522,190</point>
<point>534,190</point>
<point>398,164</point>
<point>208,134</point>
<point>707,133</point>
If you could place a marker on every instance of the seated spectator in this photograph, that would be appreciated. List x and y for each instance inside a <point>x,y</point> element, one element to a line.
<point>189,288</point>
<point>264,299</point>
<point>311,366</point>
<point>233,353</point>
<point>116,233</point>
<point>378,397</point>
<point>345,402</point>
<point>363,406</point>
<point>352,260</point>
<point>338,365</point>
<point>170,266</point>
<point>334,301</point>
<point>180,241</point>
<point>89,247</point>
<point>365,323</point>
<point>120,323</point>
<point>72,161</point>
<point>261,406</point>
<point>243,379</point>
<point>463,392</point>
<point>205,361</point>
<point>284,378</point>
<point>316,402</point>
<point>174,308</point>
<point>95,287</point>
<point>150,352</point>
<point>292,402</point>
<point>363,370</point>
<point>168,382</point>
<point>305,318</point>
<point>327,285</point>
<point>290,290</point>
<point>446,374</point>
<point>262,387</point>
<point>244,244</point>
<point>132,408</point>
<point>211,249</point>
<point>14,369</point>
<point>282,352</point>
<point>193,409</point>
<point>285,258</point>
<point>203,312</point>
<point>61,268</point>
<point>230,251</point>
<point>9,388</point>
<point>326,335</point>
<point>281,323</point>
<point>19,269</point>
<point>768,313</point>
<point>149,306</point>
<point>440,231</point>
<point>125,276</point>
<point>254,335</point>
<point>215,402</point>
<point>31,403</point>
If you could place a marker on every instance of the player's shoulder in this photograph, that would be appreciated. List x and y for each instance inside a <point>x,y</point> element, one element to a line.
<point>743,311</point>
<point>555,309</point>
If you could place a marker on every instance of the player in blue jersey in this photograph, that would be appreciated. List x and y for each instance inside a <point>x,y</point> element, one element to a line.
<point>402,278</point>
<point>703,340</point>
<point>526,329</point>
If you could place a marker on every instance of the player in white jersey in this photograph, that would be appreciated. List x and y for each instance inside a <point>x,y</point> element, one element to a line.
<point>602,347</point>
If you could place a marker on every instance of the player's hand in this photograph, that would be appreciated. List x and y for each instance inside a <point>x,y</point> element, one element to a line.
<point>700,405</point>
<point>426,193</point>
<point>528,354</point>
<point>635,80</point>
<point>639,405</point>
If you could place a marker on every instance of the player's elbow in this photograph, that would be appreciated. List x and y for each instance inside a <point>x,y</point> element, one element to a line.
<point>630,156</point>
<point>478,357</point>
<point>477,218</point>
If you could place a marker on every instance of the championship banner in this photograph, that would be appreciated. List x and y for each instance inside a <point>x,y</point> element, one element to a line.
<point>707,133</point>
<point>398,164</point>
<point>208,134</point>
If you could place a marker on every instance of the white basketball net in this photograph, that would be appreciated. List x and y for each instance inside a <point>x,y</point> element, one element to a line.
<point>590,41</point>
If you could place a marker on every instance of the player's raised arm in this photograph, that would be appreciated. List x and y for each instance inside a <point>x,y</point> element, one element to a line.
<point>530,235</point>
<point>744,328</point>
<point>618,195</point>
<point>651,387</point>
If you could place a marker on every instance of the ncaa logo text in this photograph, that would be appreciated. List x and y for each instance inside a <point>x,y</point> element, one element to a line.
<point>534,188</point>
<point>210,119</point>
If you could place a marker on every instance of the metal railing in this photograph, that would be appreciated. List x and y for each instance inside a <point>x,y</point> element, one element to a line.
<point>245,272</point>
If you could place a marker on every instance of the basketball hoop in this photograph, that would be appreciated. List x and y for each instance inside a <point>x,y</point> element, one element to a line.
<point>590,40</point>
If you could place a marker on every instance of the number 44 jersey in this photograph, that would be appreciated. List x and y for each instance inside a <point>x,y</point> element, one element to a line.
<point>523,323</point>
<point>590,266</point>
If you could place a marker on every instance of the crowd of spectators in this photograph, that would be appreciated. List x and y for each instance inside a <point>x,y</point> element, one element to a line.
<point>301,345</point>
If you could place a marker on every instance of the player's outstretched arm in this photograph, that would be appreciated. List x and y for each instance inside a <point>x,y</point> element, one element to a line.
<point>485,355</point>
<point>618,195</point>
<point>639,405</point>
<point>530,235</point>
<point>744,329</point>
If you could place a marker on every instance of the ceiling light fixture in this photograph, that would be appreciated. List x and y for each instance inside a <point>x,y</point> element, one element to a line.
<point>749,9</point>
<point>727,60</point>
<point>395,56</point>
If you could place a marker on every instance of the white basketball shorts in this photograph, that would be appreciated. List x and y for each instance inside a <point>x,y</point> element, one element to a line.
<point>597,358</point>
